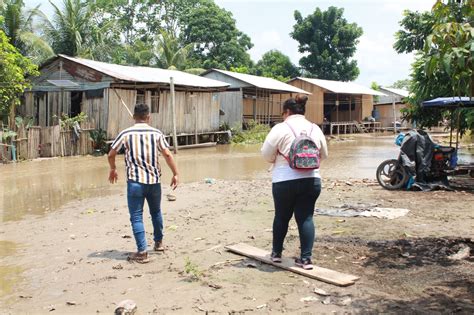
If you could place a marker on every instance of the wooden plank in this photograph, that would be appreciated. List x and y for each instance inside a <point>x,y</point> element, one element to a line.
<point>318,273</point>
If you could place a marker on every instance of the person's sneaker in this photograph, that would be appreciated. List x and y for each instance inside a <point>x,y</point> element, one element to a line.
<point>139,257</point>
<point>276,257</point>
<point>159,246</point>
<point>304,263</point>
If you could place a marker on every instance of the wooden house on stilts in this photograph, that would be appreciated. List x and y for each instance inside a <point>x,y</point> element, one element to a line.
<point>336,104</point>
<point>251,97</point>
<point>101,90</point>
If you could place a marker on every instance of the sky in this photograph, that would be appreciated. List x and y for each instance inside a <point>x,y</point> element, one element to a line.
<point>269,23</point>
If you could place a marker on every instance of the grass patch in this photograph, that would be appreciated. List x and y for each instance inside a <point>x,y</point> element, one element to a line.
<point>255,133</point>
<point>192,270</point>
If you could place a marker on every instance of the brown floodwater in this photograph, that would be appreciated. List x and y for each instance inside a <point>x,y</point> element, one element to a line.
<point>42,186</point>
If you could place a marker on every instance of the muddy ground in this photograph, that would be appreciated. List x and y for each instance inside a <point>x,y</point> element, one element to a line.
<point>74,260</point>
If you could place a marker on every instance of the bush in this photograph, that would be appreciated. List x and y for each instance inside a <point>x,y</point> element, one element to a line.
<point>255,133</point>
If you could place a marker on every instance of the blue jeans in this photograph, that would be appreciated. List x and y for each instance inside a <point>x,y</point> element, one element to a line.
<point>136,195</point>
<point>299,197</point>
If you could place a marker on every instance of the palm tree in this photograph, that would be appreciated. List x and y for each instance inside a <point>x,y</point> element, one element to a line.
<point>78,29</point>
<point>169,52</point>
<point>70,28</point>
<point>18,25</point>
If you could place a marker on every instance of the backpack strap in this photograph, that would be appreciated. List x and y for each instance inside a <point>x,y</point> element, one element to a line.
<point>292,130</point>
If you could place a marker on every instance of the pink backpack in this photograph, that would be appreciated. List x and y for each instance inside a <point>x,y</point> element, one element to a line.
<point>304,153</point>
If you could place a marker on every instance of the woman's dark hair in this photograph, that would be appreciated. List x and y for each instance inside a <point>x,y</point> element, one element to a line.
<point>296,105</point>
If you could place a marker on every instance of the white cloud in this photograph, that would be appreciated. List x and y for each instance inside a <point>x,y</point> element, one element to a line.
<point>378,61</point>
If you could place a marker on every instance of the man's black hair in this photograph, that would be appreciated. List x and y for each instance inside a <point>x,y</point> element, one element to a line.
<point>141,111</point>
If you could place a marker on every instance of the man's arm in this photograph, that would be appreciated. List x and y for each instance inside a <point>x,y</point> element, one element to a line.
<point>113,176</point>
<point>172,165</point>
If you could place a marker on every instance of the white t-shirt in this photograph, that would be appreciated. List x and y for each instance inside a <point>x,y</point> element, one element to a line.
<point>279,140</point>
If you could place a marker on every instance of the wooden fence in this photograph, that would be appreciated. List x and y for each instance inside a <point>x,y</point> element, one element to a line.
<point>36,142</point>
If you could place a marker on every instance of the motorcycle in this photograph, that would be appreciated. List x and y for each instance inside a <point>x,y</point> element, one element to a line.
<point>420,161</point>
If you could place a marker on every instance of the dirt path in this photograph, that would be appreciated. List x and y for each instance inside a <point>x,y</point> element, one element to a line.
<point>74,260</point>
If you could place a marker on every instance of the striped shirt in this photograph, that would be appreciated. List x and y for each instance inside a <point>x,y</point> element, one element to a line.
<point>142,145</point>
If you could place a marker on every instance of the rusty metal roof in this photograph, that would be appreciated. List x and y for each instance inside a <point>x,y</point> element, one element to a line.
<point>148,74</point>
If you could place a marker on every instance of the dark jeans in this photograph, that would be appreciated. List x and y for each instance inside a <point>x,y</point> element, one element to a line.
<point>299,197</point>
<point>137,193</point>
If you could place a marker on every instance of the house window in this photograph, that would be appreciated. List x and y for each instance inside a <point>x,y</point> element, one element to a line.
<point>140,97</point>
<point>155,102</point>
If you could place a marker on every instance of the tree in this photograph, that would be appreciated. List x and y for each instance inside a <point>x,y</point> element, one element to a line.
<point>78,29</point>
<point>329,42</point>
<point>217,41</point>
<point>275,64</point>
<point>18,26</point>
<point>444,66</point>
<point>169,52</point>
<point>144,19</point>
<point>375,86</point>
<point>14,70</point>
<point>416,27</point>
<point>401,84</point>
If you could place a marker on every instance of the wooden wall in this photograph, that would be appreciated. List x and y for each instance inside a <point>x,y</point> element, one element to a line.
<point>386,114</point>
<point>315,104</point>
<point>231,104</point>
<point>198,111</point>
<point>49,106</point>
<point>264,106</point>
<point>96,110</point>
<point>367,105</point>
<point>118,116</point>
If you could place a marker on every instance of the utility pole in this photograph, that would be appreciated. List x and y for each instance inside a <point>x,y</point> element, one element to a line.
<point>173,113</point>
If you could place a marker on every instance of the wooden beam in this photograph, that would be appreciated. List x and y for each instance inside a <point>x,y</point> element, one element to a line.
<point>318,273</point>
<point>173,116</point>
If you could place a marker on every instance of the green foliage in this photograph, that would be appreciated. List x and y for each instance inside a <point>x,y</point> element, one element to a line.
<point>375,86</point>
<point>195,71</point>
<point>14,69</point>
<point>26,122</point>
<point>77,28</point>
<point>275,64</point>
<point>415,28</point>
<point>7,135</point>
<point>99,139</point>
<point>254,133</point>
<point>329,42</point>
<point>401,84</point>
<point>192,270</point>
<point>169,52</point>
<point>67,123</point>
<point>444,64</point>
<point>17,23</point>
<point>217,41</point>
<point>242,69</point>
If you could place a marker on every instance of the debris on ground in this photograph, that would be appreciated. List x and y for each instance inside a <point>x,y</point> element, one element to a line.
<point>363,210</point>
<point>126,307</point>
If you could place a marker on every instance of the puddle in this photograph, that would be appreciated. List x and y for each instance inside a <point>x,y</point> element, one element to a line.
<point>9,275</point>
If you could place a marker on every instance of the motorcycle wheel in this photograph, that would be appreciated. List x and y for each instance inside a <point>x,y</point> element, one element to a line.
<point>391,175</point>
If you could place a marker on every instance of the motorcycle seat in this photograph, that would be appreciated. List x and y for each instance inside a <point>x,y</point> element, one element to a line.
<point>445,149</point>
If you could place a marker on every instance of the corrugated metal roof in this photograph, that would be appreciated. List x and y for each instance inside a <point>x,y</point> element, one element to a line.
<point>341,87</point>
<point>261,82</point>
<point>148,74</point>
<point>400,92</point>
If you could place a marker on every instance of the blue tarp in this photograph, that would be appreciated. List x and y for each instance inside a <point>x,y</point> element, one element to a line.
<point>456,101</point>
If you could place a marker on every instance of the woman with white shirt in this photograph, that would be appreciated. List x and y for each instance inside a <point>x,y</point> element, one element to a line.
<point>294,190</point>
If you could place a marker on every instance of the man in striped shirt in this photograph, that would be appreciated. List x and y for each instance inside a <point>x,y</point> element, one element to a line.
<point>143,144</point>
